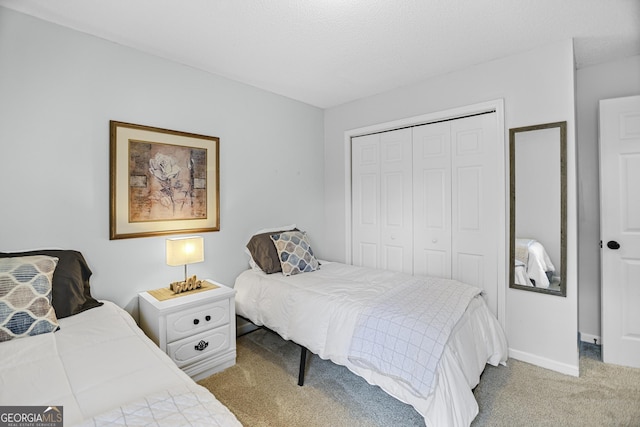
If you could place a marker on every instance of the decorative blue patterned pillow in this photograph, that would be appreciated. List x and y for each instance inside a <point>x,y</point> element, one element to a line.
<point>294,252</point>
<point>25,296</point>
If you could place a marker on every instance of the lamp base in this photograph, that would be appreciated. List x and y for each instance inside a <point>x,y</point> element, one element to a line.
<point>188,285</point>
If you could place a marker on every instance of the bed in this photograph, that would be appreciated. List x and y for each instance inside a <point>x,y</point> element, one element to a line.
<point>533,266</point>
<point>357,317</point>
<point>93,364</point>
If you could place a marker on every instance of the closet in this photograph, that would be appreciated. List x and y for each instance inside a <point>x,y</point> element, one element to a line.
<point>426,200</point>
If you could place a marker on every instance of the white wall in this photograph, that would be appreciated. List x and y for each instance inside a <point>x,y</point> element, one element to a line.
<point>611,80</point>
<point>58,90</point>
<point>538,87</point>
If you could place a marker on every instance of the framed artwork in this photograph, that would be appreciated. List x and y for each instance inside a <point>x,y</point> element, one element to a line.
<point>162,182</point>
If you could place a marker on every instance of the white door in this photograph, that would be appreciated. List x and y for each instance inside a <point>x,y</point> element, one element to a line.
<point>432,199</point>
<point>475,204</point>
<point>365,199</point>
<point>396,201</point>
<point>456,202</point>
<point>426,201</point>
<point>620,229</point>
<point>381,201</point>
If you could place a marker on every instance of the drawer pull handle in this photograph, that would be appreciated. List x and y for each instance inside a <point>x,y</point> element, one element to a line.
<point>201,345</point>
<point>207,318</point>
<point>196,321</point>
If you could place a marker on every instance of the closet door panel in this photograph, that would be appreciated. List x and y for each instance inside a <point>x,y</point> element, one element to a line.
<point>475,220</point>
<point>381,201</point>
<point>365,200</point>
<point>432,199</point>
<point>468,267</point>
<point>367,255</point>
<point>395,201</point>
<point>468,193</point>
<point>432,263</point>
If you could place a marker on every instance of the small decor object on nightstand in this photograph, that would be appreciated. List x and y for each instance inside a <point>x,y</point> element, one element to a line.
<point>183,251</point>
<point>190,284</point>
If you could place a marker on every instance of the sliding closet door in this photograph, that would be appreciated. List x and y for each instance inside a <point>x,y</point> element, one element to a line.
<point>365,200</point>
<point>474,204</point>
<point>425,200</point>
<point>455,199</point>
<point>432,199</point>
<point>382,201</point>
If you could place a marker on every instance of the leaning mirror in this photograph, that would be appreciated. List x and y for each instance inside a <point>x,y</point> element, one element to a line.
<point>538,189</point>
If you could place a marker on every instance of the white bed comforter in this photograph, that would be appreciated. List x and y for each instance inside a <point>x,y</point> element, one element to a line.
<point>403,335</point>
<point>319,311</point>
<point>103,370</point>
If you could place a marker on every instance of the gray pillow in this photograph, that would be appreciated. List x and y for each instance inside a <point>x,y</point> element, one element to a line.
<point>71,290</point>
<point>264,252</point>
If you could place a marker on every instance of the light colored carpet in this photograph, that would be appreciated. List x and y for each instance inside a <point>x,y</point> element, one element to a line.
<point>262,391</point>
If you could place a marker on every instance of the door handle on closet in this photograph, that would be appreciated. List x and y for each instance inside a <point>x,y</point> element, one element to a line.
<point>612,244</point>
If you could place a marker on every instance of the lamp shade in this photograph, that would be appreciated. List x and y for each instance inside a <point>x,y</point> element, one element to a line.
<point>185,250</point>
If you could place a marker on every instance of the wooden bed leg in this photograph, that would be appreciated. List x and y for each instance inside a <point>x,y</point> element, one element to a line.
<point>303,361</point>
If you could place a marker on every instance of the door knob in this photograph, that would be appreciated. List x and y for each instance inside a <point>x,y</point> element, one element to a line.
<point>612,244</point>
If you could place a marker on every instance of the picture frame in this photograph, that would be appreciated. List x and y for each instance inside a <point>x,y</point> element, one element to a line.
<point>162,181</point>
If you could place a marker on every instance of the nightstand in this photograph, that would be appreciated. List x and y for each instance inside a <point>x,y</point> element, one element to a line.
<point>196,329</point>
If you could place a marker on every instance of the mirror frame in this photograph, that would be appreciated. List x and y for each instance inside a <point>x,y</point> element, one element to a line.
<point>563,207</point>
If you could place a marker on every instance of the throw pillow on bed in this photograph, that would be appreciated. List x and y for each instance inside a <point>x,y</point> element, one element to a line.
<point>71,287</point>
<point>264,253</point>
<point>294,252</point>
<point>25,296</point>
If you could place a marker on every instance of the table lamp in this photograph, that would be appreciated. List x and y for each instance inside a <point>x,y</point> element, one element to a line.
<point>185,251</point>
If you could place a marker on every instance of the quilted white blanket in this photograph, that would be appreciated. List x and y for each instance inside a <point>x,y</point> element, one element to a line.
<point>181,406</point>
<point>403,335</point>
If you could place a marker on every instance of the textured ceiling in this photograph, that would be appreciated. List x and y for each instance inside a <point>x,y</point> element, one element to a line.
<point>328,52</point>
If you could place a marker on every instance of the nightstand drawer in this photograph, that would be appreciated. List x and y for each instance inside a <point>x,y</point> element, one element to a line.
<point>195,347</point>
<point>198,319</point>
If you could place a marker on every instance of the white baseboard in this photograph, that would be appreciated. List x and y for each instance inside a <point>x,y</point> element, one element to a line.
<point>543,362</point>
<point>591,339</point>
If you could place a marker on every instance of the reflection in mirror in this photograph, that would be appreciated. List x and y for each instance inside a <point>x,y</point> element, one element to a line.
<point>538,168</point>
